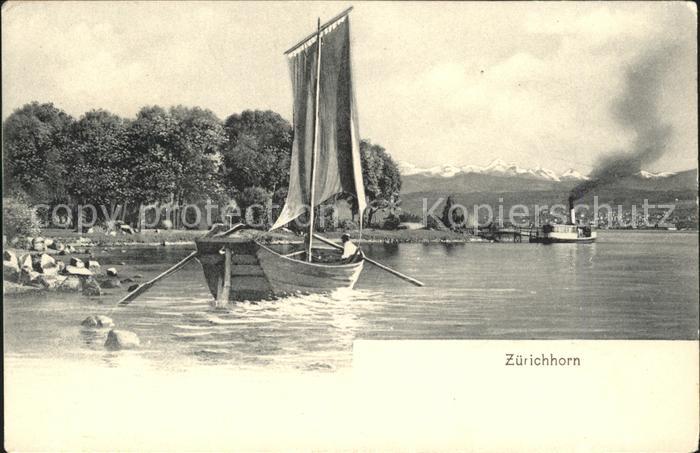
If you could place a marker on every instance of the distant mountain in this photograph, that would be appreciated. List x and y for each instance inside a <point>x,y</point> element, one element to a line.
<point>500,176</point>
<point>572,175</point>
<point>498,167</point>
<point>649,175</point>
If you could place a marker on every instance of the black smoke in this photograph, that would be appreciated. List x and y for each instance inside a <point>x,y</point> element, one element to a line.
<point>636,109</point>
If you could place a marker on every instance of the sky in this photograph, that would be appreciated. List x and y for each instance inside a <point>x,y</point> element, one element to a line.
<point>436,83</point>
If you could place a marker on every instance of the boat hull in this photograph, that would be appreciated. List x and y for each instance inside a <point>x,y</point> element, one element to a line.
<point>260,273</point>
<point>542,240</point>
<point>563,238</point>
<point>290,276</point>
<point>563,234</point>
<point>247,278</point>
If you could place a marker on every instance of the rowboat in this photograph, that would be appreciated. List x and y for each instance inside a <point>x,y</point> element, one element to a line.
<point>291,274</point>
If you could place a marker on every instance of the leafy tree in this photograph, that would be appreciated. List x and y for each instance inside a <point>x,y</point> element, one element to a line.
<point>196,140</point>
<point>153,174</point>
<point>258,198</point>
<point>381,178</point>
<point>34,142</point>
<point>257,152</point>
<point>452,219</point>
<point>98,159</point>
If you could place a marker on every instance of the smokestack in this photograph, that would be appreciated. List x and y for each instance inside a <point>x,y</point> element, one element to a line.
<point>572,217</point>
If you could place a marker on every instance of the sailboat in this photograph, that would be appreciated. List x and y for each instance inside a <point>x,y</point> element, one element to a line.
<point>325,158</point>
<point>325,161</point>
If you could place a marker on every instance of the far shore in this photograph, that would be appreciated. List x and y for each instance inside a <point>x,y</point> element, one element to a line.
<point>187,237</point>
<point>183,238</point>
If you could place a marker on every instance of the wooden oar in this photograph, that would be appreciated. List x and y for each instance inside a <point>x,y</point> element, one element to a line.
<point>146,286</point>
<point>371,261</point>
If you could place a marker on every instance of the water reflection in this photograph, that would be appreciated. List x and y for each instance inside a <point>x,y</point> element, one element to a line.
<point>390,248</point>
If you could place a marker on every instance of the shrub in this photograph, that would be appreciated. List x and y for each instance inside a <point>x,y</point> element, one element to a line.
<point>391,222</point>
<point>406,216</point>
<point>348,225</point>
<point>19,218</point>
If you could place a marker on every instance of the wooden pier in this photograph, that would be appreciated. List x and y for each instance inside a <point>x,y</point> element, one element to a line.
<point>513,234</point>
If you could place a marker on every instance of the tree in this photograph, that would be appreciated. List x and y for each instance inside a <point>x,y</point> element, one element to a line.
<point>196,141</point>
<point>153,172</point>
<point>452,217</point>
<point>98,159</point>
<point>381,178</point>
<point>256,199</point>
<point>34,142</point>
<point>257,151</point>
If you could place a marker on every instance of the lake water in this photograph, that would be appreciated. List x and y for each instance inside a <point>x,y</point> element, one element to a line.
<point>628,285</point>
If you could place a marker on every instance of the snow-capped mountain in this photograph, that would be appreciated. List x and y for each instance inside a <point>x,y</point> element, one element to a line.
<point>572,175</point>
<point>497,167</point>
<point>650,175</point>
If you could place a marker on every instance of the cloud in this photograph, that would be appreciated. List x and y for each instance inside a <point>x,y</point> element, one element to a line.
<point>457,83</point>
<point>554,108</point>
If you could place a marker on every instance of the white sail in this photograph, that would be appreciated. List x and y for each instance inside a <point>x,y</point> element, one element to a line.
<point>338,167</point>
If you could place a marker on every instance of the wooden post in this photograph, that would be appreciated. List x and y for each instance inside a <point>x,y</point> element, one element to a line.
<point>223,294</point>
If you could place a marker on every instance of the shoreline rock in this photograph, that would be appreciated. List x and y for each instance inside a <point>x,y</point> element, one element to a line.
<point>97,321</point>
<point>122,339</point>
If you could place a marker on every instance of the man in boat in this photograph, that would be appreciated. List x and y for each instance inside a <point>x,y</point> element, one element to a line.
<point>350,250</point>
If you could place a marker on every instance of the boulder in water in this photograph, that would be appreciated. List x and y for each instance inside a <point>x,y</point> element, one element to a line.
<point>26,263</point>
<point>112,272</point>
<point>48,281</point>
<point>10,271</point>
<point>97,321</point>
<point>121,339</point>
<point>47,265</point>
<point>9,255</point>
<point>57,245</point>
<point>76,262</point>
<point>28,277</point>
<point>91,287</point>
<point>94,266</point>
<point>38,244</point>
<point>71,283</point>
<point>73,270</point>
<point>10,267</point>
<point>110,283</point>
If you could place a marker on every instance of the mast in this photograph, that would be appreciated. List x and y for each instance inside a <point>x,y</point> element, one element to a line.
<point>314,145</point>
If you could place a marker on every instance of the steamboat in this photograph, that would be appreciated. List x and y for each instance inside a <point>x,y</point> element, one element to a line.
<point>571,232</point>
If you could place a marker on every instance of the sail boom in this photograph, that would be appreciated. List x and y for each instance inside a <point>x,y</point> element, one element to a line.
<point>316,33</point>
